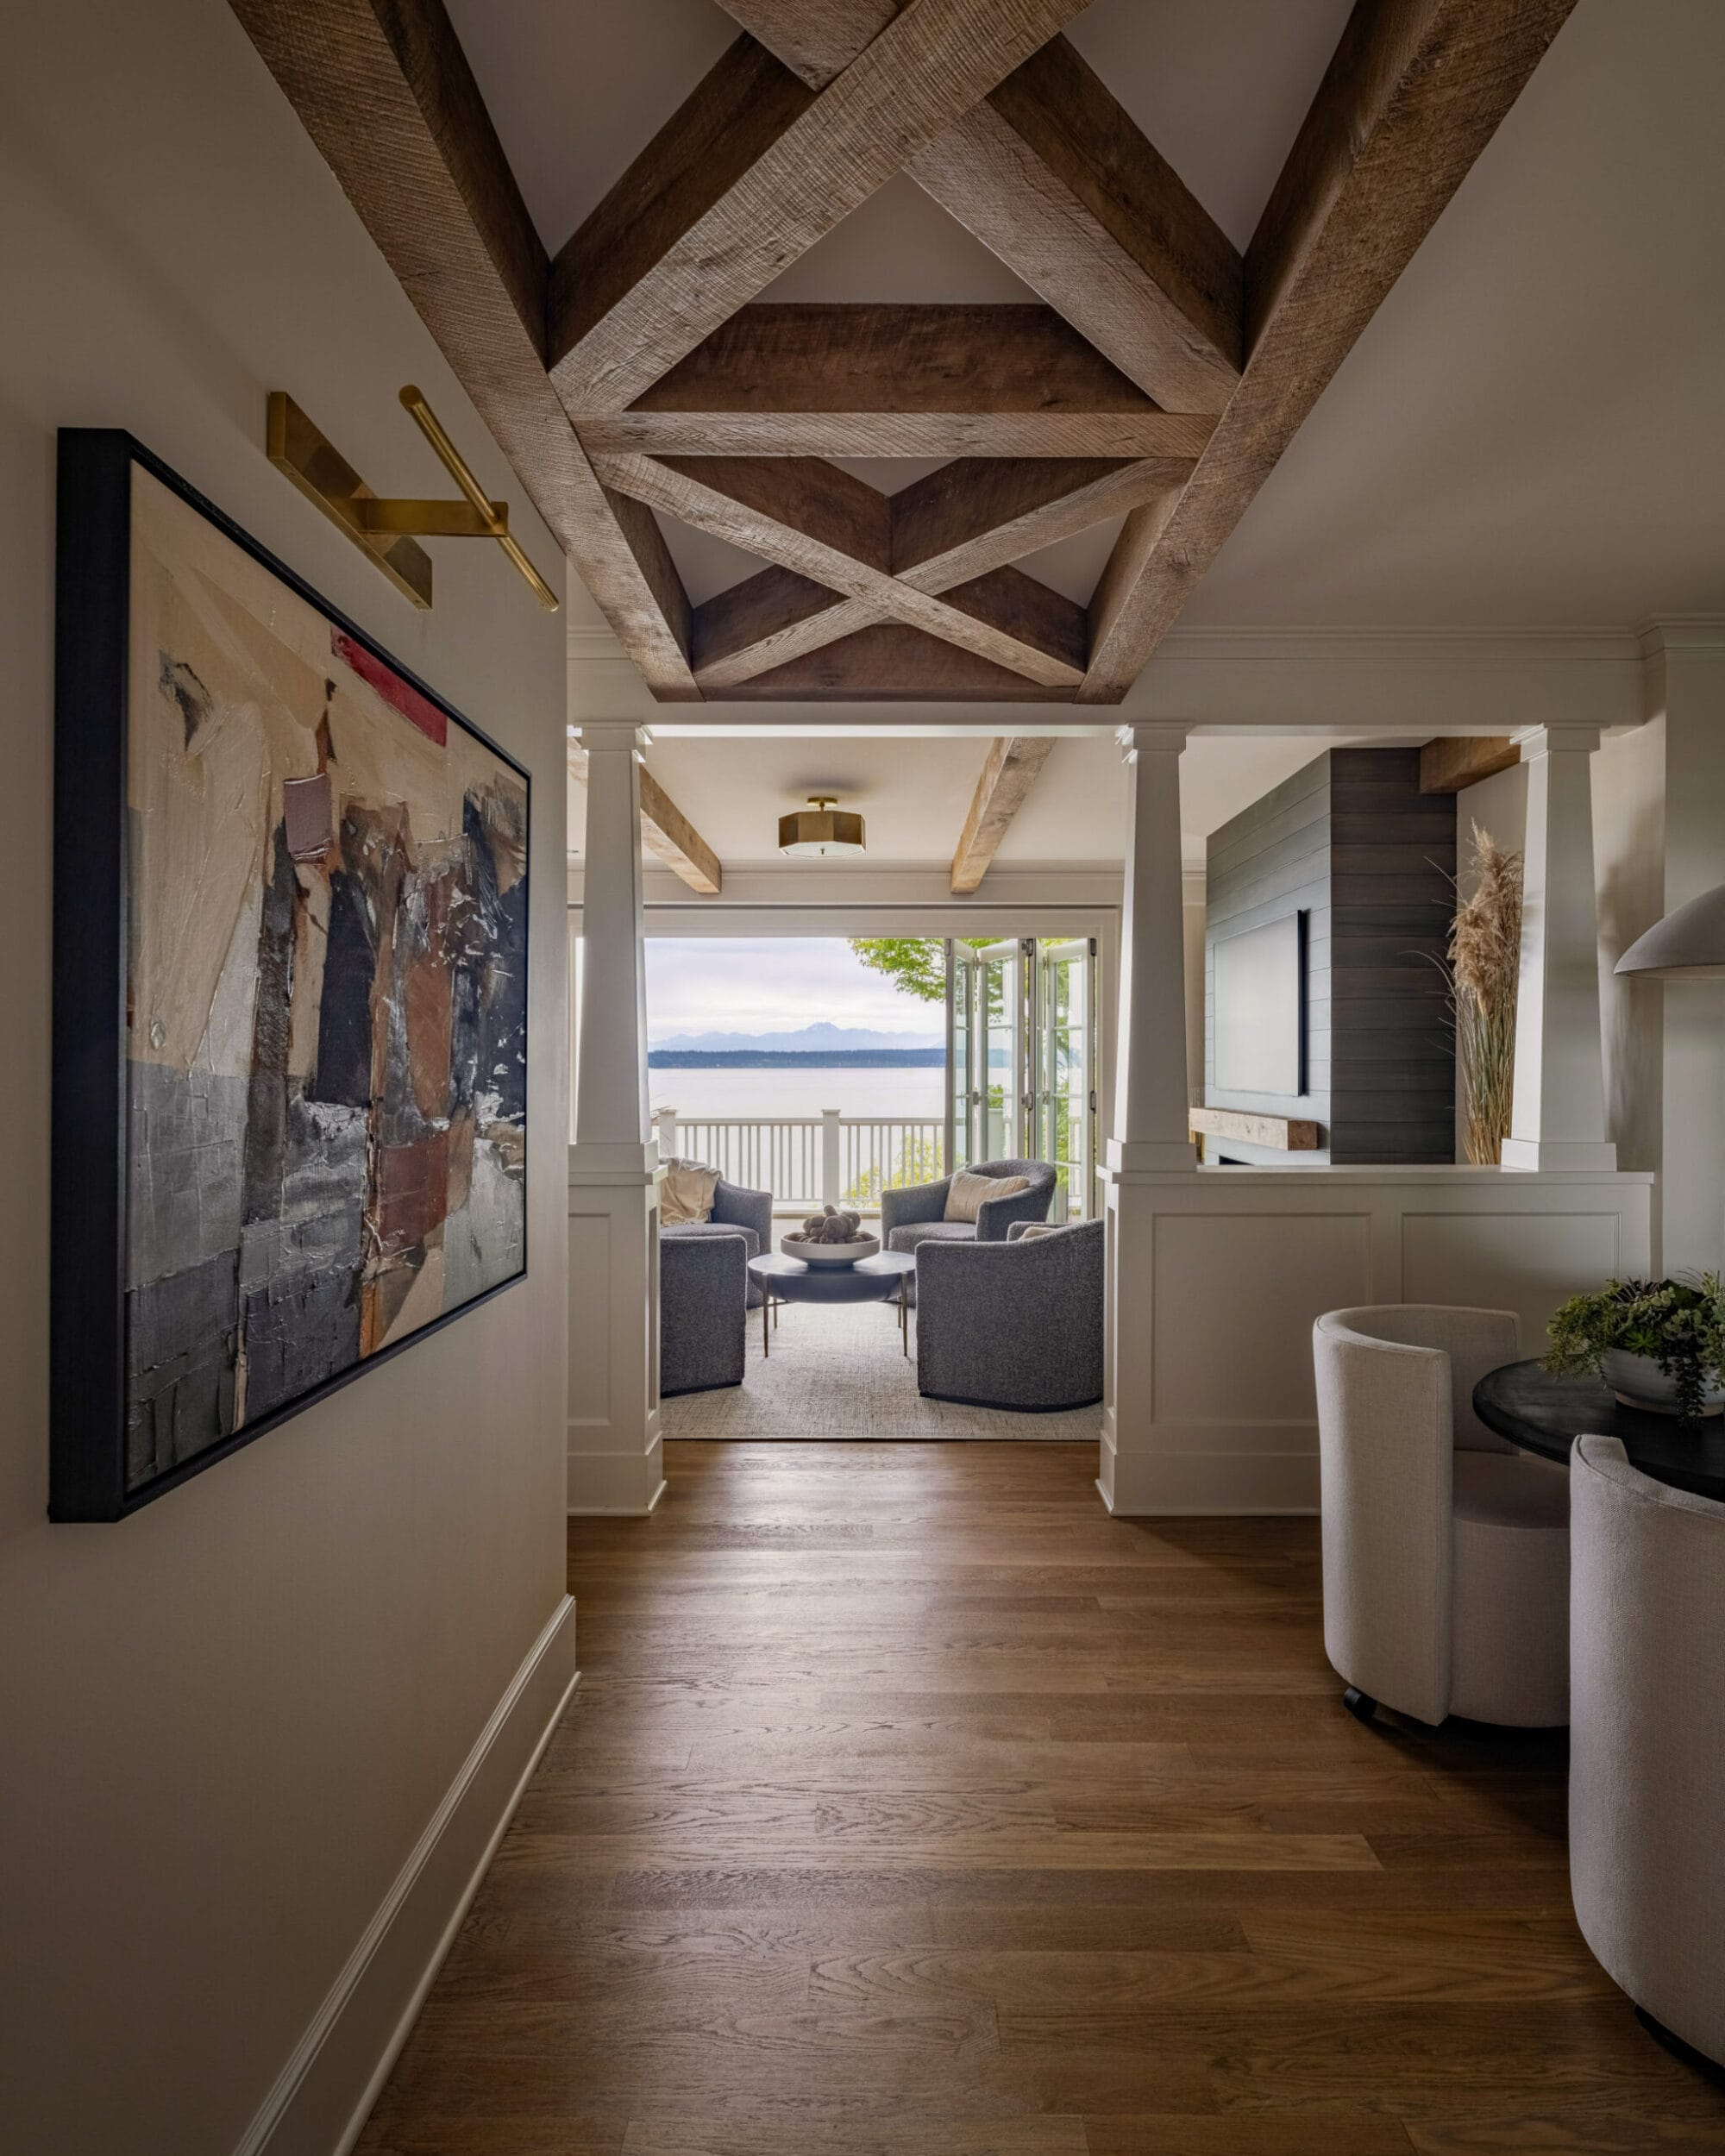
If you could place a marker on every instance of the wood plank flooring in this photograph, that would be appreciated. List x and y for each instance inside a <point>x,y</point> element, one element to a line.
<point>909,1806</point>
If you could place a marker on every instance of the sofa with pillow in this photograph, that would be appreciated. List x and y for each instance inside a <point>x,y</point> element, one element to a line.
<point>1015,1324</point>
<point>964,1208</point>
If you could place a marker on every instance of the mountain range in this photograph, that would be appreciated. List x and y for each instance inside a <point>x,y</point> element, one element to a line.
<point>811,1040</point>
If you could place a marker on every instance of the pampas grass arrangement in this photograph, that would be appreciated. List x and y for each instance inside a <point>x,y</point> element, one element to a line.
<point>1485,957</point>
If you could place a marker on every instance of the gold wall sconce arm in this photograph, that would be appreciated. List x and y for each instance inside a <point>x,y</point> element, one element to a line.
<point>388,528</point>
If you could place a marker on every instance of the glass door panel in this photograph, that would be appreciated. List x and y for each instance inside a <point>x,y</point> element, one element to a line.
<point>962,993</point>
<point>1063,1062</point>
<point>1001,1032</point>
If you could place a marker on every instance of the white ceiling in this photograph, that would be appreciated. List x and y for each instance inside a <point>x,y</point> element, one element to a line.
<point>914,792</point>
<point>1529,430</point>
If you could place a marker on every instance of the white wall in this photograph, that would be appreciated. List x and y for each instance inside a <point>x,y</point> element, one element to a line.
<point>227,1720</point>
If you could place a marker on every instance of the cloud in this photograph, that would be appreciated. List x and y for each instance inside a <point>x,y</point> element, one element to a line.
<point>770,984</point>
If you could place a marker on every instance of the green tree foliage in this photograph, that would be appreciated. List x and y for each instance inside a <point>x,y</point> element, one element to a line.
<point>915,964</point>
<point>920,1161</point>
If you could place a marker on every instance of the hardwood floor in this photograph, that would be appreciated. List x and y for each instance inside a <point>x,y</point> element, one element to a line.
<point>909,1806</point>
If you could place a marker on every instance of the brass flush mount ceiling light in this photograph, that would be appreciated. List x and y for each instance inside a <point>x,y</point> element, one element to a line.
<point>821,829</point>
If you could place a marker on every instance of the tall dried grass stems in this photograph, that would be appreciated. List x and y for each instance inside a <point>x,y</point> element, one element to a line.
<point>1485,957</point>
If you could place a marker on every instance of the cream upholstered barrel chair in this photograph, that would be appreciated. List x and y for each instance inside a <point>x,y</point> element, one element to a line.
<point>1445,1549</point>
<point>1647,1776</point>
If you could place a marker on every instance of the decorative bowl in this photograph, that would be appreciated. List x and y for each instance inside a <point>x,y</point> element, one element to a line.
<point>830,1253</point>
<point>1637,1381</point>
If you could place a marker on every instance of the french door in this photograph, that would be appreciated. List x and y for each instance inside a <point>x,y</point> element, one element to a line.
<point>1020,1059</point>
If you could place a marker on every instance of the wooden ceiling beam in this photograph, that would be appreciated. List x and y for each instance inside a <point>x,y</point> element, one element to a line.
<point>1453,761</point>
<point>870,379</point>
<point>1416,91</point>
<point>948,532</point>
<point>892,663</point>
<point>1052,175</point>
<point>700,237</point>
<point>1009,771</point>
<point>666,832</point>
<point>387,95</point>
<point>829,529</point>
<point>978,513</point>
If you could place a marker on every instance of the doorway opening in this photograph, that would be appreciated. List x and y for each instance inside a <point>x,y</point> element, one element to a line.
<point>862,1072</point>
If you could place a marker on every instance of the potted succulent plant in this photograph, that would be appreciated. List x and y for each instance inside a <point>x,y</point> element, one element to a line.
<point>1659,1346</point>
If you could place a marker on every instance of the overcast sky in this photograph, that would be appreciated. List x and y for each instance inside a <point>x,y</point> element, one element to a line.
<point>773,984</point>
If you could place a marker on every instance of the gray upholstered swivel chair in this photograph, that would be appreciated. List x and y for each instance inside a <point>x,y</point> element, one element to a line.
<point>702,1313</point>
<point>736,1209</point>
<point>1017,1324</point>
<point>917,1215</point>
<point>1647,1769</point>
<point>1445,1549</point>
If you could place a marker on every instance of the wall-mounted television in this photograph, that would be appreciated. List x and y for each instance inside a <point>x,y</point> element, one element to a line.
<point>1258,988</point>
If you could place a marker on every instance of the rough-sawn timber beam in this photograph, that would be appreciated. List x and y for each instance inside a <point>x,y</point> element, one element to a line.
<point>833,530</point>
<point>1008,773</point>
<point>827,379</point>
<point>666,832</point>
<point>387,94</point>
<point>1453,761</point>
<point>1050,174</point>
<point>1415,91</point>
<point>710,236</point>
<point>962,525</point>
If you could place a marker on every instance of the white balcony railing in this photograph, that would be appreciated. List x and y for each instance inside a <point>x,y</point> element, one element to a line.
<point>829,1159</point>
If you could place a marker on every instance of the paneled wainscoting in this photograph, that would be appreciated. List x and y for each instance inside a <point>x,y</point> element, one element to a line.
<point>910,1806</point>
<point>1218,1276</point>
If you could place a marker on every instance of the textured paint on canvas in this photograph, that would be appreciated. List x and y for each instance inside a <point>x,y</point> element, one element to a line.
<point>327,1013</point>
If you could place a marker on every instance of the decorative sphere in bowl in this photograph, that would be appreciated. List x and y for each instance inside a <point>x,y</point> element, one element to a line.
<point>814,1253</point>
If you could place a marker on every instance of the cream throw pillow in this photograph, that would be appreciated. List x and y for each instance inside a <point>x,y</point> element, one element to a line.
<point>967,1192</point>
<point>686,1193</point>
<point>1040,1227</point>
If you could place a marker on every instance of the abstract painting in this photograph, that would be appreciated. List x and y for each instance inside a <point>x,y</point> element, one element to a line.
<point>320,1089</point>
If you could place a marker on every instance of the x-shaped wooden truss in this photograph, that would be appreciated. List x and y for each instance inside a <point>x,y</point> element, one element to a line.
<point>1162,375</point>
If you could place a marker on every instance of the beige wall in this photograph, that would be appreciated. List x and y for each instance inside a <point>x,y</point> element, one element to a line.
<point>226,1722</point>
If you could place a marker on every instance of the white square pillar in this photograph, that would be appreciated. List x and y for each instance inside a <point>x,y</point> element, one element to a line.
<point>1557,1120</point>
<point>1151,1145</point>
<point>615,1452</point>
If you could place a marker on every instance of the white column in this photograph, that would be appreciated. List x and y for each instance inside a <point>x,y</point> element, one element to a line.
<point>1150,1082</point>
<point>1150,1151</point>
<point>1558,1116</point>
<point>615,1455</point>
<point>1680,1049</point>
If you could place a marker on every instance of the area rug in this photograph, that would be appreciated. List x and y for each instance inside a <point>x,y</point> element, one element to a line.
<point>836,1372</point>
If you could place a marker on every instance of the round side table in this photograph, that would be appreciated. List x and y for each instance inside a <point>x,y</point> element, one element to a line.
<point>869,1280</point>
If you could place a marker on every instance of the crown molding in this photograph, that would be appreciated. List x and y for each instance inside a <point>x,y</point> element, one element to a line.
<point>1396,645</point>
<point>1703,634</point>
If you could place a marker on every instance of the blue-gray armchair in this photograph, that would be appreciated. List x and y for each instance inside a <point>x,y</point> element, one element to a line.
<point>917,1215</point>
<point>1017,1324</point>
<point>701,1309</point>
<point>735,1210</point>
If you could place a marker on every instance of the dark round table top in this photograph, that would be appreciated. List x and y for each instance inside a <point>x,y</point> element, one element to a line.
<point>869,1280</point>
<point>1544,1415</point>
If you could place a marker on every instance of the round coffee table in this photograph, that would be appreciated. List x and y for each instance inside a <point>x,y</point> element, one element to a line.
<point>869,1280</point>
<point>1546,1414</point>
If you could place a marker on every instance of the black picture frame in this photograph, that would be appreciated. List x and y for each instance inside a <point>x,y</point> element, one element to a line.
<point>90,887</point>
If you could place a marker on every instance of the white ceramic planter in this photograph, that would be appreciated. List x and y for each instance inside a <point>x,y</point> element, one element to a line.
<point>1638,1381</point>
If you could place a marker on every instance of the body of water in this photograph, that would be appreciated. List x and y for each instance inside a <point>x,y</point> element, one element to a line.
<point>720,1092</point>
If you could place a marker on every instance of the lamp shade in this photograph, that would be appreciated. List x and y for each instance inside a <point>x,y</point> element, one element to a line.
<point>1688,944</point>
<point>821,829</point>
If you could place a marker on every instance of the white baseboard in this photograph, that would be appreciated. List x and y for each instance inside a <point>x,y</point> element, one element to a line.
<point>322,2095</point>
<point>624,1484</point>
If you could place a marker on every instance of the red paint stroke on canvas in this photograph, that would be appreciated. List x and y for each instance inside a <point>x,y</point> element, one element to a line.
<point>389,684</point>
